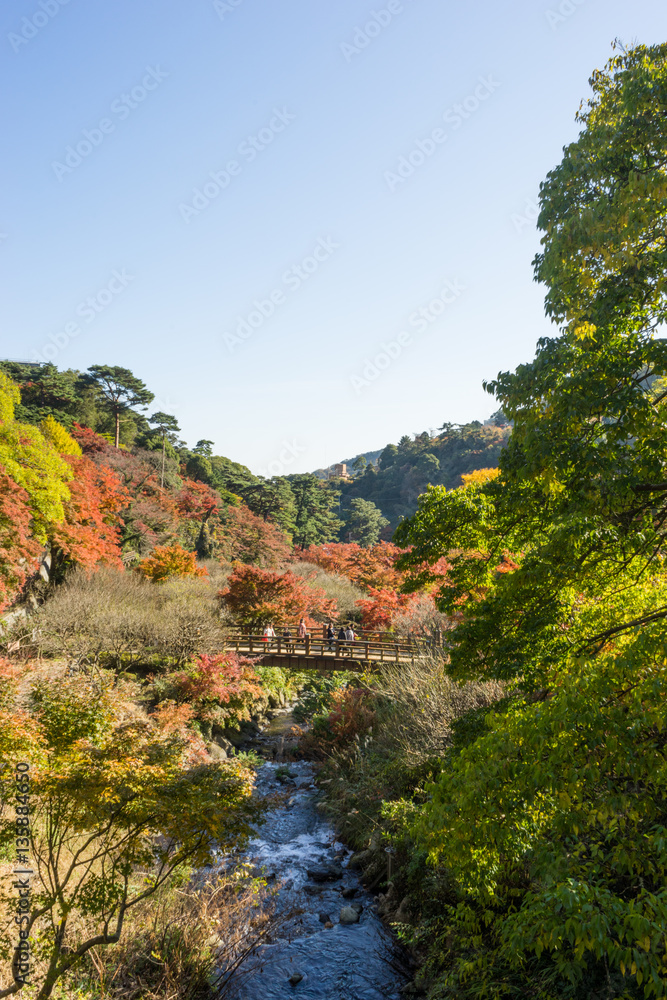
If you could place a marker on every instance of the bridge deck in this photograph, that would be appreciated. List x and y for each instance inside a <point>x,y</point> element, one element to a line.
<point>320,654</point>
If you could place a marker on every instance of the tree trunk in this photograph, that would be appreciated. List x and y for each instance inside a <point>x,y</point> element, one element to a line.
<point>117,415</point>
<point>164,445</point>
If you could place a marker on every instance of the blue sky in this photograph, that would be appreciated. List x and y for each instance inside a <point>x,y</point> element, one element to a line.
<point>307,226</point>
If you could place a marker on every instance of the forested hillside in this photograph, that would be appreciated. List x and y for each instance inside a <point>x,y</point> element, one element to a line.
<point>403,471</point>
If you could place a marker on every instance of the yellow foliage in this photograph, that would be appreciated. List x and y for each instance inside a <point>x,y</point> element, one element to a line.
<point>32,462</point>
<point>9,397</point>
<point>585,331</point>
<point>479,476</point>
<point>63,442</point>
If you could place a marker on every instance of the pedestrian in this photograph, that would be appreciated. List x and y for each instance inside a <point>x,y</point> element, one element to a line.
<point>331,636</point>
<point>303,631</point>
<point>269,634</point>
<point>349,633</point>
<point>287,636</point>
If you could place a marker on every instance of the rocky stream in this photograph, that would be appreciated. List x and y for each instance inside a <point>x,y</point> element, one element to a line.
<point>332,944</point>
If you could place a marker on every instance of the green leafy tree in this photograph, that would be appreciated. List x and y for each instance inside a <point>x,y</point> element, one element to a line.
<point>272,500</point>
<point>364,523</point>
<point>314,519</point>
<point>119,390</point>
<point>204,447</point>
<point>553,824</point>
<point>199,468</point>
<point>46,392</point>
<point>167,427</point>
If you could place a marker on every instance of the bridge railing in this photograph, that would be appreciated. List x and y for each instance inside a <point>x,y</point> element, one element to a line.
<point>362,648</point>
<point>317,635</point>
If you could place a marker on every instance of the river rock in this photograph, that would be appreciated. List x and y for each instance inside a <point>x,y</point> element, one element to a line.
<point>348,915</point>
<point>218,734</point>
<point>328,925</point>
<point>295,979</point>
<point>324,918</point>
<point>325,873</point>
<point>216,752</point>
<point>233,736</point>
<point>349,893</point>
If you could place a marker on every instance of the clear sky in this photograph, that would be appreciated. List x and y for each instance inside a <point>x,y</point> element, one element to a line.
<point>306,225</point>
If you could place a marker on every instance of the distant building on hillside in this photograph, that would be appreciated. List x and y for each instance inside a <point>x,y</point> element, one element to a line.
<point>339,472</point>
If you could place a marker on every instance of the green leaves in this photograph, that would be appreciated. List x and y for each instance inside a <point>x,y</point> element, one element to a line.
<point>553,823</point>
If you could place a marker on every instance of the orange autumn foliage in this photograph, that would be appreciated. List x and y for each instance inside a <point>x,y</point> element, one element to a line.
<point>90,535</point>
<point>167,561</point>
<point>258,596</point>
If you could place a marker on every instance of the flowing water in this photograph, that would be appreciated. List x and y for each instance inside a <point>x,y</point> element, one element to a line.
<point>360,961</point>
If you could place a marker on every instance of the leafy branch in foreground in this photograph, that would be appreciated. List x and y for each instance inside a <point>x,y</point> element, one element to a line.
<point>118,806</point>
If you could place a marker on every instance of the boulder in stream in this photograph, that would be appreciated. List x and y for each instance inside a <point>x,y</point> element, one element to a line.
<point>325,873</point>
<point>295,979</point>
<point>349,915</point>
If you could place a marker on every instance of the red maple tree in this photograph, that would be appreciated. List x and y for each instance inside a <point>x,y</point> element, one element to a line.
<point>380,608</point>
<point>366,567</point>
<point>259,596</point>
<point>19,551</point>
<point>90,534</point>
<point>248,538</point>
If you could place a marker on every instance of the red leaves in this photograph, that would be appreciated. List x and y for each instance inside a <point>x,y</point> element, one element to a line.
<point>90,534</point>
<point>250,539</point>
<point>371,567</point>
<point>258,596</point>
<point>379,610</point>
<point>19,551</point>
<point>90,442</point>
<point>197,501</point>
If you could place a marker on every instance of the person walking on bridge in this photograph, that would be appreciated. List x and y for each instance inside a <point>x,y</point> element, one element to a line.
<point>331,636</point>
<point>303,631</point>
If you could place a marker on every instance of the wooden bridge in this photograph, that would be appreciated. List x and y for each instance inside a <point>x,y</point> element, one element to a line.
<point>318,653</point>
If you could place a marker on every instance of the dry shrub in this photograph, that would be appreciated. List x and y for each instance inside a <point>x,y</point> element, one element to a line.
<point>336,587</point>
<point>120,618</point>
<point>421,619</point>
<point>422,703</point>
<point>189,943</point>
